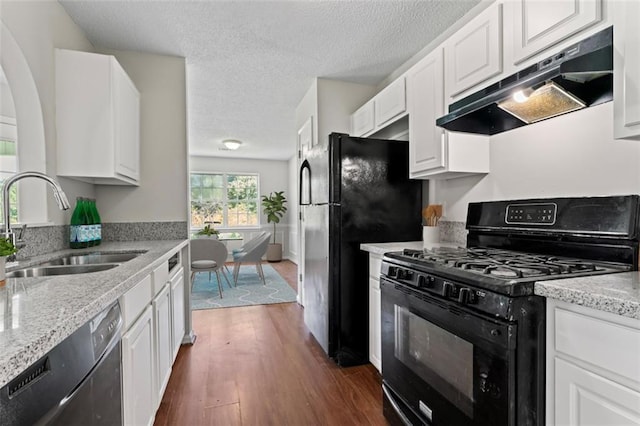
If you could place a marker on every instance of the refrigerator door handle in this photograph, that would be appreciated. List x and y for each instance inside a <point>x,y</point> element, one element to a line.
<point>305,184</point>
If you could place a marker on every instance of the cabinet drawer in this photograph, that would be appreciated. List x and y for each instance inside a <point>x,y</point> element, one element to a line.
<point>135,300</point>
<point>374,266</point>
<point>160,277</point>
<point>608,345</point>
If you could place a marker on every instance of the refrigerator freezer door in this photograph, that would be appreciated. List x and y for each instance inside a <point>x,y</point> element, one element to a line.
<point>317,163</point>
<point>316,273</point>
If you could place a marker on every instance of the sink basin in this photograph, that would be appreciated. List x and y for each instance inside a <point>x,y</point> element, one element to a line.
<point>92,258</point>
<point>45,271</point>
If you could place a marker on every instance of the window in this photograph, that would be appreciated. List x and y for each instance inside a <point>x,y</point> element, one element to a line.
<point>228,199</point>
<point>8,162</point>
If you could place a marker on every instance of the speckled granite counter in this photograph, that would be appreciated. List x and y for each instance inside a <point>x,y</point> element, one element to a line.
<point>615,293</point>
<point>382,248</point>
<point>38,313</point>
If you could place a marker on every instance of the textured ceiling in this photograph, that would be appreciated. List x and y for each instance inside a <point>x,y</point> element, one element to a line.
<point>250,63</point>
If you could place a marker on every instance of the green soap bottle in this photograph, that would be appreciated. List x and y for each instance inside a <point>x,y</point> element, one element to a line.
<point>95,223</point>
<point>74,229</point>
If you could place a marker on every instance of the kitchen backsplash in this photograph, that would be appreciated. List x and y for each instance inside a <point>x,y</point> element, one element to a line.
<point>454,232</point>
<point>141,231</point>
<point>46,239</point>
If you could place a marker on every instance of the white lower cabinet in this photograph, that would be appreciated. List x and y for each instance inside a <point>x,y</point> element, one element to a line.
<point>162,329</point>
<point>593,367</point>
<point>586,398</point>
<point>375,339</point>
<point>154,324</point>
<point>177,311</point>
<point>138,371</point>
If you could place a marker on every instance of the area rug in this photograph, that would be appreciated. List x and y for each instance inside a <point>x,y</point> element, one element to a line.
<point>249,291</point>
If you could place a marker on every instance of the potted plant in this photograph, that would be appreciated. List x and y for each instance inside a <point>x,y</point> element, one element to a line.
<point>274,208</point>
<point>6,249</point>
<point>208,232</point>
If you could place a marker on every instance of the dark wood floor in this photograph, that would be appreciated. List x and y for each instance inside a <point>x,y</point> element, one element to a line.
<point>259,365</point>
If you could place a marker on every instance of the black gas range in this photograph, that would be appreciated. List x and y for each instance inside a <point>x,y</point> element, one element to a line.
<point>463,334</point>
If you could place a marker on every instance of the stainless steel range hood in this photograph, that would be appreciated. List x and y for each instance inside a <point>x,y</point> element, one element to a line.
<point>578,77</point>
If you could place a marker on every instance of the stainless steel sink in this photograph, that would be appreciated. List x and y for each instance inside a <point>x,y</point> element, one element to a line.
<point>91,258</point>
<point>45,271</point>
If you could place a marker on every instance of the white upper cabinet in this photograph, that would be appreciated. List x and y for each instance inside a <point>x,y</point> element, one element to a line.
<point>474,54</point>
<point>626,91</point>
<point>390,102</point>
<point>385,108</point>
<point>540,24</point>
<point>434,153</point>
<point>426,103</point>
<point>97,118</point>
<point>363,120</point>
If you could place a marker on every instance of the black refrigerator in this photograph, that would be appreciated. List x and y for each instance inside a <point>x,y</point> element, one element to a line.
<point>352,191</point>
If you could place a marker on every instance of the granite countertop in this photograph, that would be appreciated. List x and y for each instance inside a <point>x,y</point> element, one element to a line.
<point>38,313</point>
<point>382,248</point>
<point>616,293</point>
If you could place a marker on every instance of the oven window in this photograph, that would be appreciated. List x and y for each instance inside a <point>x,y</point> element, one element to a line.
<point>441,359</point>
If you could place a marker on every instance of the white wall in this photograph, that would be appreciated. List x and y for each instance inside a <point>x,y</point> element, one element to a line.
<point>37,28</point>
<point>162,194</point>
<point>293,209</point>
<point>274,176</point>
<point>571,155</point>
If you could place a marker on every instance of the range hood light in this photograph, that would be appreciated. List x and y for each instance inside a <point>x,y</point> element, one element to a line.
<point>548,101</point>
<point>521,96</point>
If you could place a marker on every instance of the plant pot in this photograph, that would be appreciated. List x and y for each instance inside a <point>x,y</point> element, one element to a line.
<point>3,272</point>
<point>274,252</point>
<point>213,237</point>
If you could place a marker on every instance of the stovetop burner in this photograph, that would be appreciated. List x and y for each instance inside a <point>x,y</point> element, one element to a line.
<point>503,271</point>
<point>504,264</point>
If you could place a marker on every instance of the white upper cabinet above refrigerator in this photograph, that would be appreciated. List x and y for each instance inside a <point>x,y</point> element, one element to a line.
<point>97,118</point>
<point>385,108</point>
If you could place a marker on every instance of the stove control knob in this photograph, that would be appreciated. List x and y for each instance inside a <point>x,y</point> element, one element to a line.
<point>392,272</point>
<point>447,289</point>
<point>464,296</point>
<point>425,281</point>
<point>404,274</point>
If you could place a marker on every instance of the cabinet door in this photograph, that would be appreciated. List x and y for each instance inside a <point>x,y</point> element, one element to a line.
<point>163,344</point>
<point>474,54</point>
<point>426,103</point>
<point>375,343</point>
<point>390,102</point>
<point>177,311</point>
<point>138,368</point>
<point>626,97</point>
<point>539,24</point>
<point>585,398</point>
<point>362,121</point>
<point>127,124</point>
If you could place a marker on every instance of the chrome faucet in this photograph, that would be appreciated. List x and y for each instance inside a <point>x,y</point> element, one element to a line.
<point>58,193</point>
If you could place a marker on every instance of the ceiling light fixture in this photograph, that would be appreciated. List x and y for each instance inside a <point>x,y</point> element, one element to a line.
<point>232,144</point>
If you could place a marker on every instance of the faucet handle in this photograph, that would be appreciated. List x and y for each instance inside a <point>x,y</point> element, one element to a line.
<point>20,234</point>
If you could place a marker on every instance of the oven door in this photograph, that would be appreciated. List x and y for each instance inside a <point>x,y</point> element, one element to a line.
<point>443,364</point>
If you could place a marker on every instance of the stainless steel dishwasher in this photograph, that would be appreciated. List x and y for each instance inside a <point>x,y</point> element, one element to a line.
<point>79,382</point>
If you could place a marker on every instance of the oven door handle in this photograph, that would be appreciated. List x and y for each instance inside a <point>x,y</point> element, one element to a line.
<point>405,420</point>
